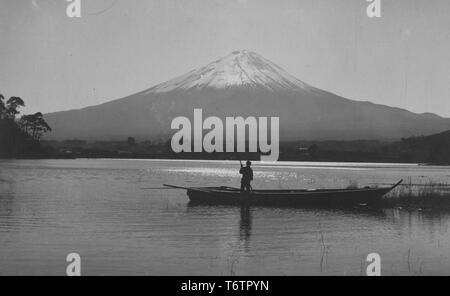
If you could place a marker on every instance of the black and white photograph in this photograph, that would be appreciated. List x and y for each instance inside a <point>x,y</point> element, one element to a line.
<point>225,139</point>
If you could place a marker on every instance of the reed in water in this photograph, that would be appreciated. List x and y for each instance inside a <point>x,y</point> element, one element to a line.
<point>420,194</point>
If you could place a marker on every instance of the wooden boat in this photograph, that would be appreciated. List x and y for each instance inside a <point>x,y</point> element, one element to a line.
<point>288,197</point>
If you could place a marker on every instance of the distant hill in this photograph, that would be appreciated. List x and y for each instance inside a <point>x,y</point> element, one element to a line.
<point>242,84</point>
<point>434,149</point>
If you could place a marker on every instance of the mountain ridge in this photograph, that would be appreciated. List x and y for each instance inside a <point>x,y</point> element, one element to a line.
<point>243,83</point>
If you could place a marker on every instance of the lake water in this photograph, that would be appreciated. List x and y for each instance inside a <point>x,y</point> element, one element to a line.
<point>97,208</point>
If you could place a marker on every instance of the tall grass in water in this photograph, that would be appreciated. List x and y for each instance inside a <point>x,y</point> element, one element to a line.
<point>420,194</point>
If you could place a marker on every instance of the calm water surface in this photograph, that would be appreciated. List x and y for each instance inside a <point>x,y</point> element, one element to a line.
<point>49,208</point>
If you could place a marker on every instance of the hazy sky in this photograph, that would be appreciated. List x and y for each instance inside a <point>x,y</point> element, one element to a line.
<point>56,63</point>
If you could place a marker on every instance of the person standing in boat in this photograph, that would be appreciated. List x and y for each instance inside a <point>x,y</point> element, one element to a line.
<point>247,177</point>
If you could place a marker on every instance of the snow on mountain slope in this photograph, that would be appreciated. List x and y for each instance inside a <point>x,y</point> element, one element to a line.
<point>242,84</point>
<point>239,69</point>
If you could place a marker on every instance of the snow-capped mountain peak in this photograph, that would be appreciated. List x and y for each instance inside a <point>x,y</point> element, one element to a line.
<point>258,88</point>
<point>242,68</point>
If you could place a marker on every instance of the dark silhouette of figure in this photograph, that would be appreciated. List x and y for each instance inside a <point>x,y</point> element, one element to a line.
<point>247,177</point>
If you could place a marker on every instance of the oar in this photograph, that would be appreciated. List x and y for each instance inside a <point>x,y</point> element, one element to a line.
<point>166,186</point>
<point>157,188</point>
<point>175,187</point>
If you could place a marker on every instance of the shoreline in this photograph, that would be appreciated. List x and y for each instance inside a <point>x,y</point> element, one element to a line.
<point>192,159</point>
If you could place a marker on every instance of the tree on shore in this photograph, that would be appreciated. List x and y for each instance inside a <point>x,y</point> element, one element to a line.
<point>19,136</point>
<point>34,125</point>
<point>2,107</point>
<point>12,107</point>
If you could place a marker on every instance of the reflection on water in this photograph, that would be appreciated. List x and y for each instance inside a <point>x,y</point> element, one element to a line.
<point>245,226</point>
<point>97,208</point>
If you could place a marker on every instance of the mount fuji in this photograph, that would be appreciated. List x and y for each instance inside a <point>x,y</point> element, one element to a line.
<point>242,83</point>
